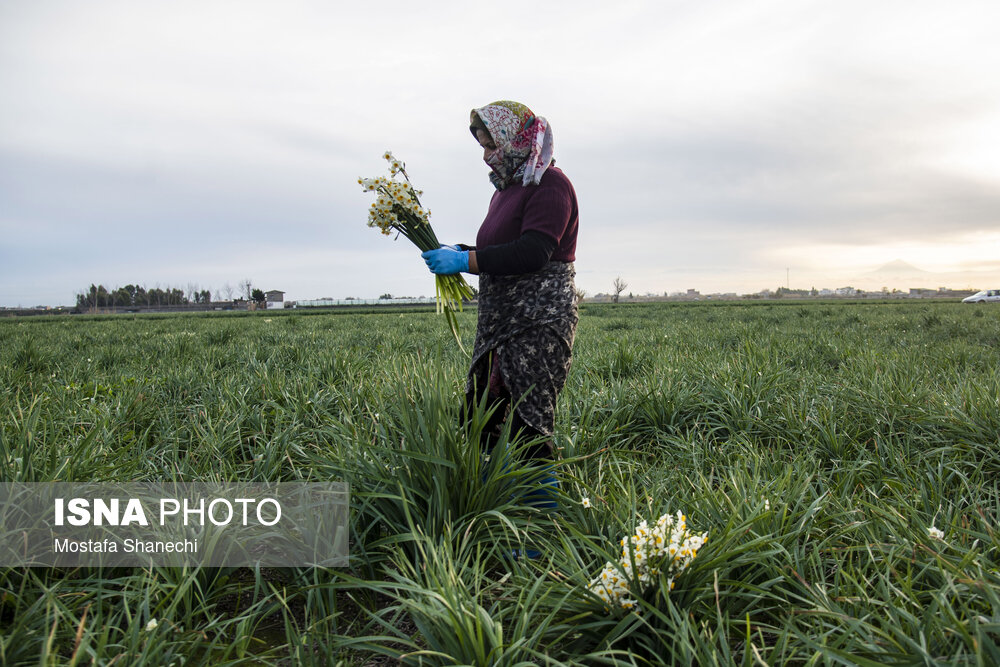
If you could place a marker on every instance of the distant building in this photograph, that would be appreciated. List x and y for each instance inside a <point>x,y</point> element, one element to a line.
<point>274,298</point>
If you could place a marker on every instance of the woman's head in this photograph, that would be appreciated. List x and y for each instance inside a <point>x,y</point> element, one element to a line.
<point>517,144</point>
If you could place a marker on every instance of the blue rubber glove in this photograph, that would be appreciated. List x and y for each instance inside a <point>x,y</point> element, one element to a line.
<point>445,261</point>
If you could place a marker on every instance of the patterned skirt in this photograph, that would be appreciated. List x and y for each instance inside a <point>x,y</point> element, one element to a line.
<point>524,340</point>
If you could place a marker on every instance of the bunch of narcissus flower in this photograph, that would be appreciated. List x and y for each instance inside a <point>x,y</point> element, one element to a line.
<point>665,549</point>
<point>398,208</point>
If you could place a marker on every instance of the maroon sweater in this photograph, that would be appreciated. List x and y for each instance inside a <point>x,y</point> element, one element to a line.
<point>548,209</point>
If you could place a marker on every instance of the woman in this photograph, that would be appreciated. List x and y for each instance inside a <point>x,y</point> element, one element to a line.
<point>524,256</point>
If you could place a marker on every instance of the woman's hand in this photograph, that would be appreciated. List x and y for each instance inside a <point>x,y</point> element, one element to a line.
<point>446,260</point>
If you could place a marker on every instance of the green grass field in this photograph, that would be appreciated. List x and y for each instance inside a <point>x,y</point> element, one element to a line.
<point>816,444</point>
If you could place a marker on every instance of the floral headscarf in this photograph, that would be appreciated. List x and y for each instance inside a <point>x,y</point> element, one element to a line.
<point>524,142</point>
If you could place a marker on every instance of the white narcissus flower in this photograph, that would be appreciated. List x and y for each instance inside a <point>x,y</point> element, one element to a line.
<point>668,544</point>
<point>151,625</point>
<point>586,503</point>
<point>935,533</point>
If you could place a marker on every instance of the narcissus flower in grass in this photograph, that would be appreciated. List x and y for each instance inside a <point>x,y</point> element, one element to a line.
<point>668,547</point>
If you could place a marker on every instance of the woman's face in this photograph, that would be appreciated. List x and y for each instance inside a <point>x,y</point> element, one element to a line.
<point>486,141</point>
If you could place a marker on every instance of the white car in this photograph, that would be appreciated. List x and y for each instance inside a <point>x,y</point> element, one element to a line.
<point>985,296</point>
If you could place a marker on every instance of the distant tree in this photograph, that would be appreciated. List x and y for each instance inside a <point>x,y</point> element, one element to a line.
<point>246,289</point>
<point>258,296</point>
<point>82,301</point>
<point>386,296</point>
<point>96,297</point>
<point>131,295</point>
<point>227,289</point>
<point>620,286</point>
<point>121,298</point>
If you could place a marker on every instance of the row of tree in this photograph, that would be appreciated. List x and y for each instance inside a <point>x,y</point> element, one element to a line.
<point>98,296</point>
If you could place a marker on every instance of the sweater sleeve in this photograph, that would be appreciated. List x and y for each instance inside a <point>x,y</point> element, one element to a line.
<point>527,254</point>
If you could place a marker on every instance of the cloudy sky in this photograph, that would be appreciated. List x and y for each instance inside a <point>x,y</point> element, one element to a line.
<point>722,146</point>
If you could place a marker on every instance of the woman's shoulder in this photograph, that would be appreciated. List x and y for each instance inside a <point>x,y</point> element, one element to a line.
<point>554,175</point>
<point>554,178</point>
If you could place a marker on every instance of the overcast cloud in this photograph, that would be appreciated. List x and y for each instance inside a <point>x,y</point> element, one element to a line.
<point>712,145</point>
